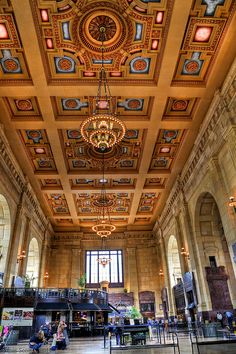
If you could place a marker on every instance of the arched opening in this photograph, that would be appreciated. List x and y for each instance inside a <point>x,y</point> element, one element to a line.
<point>212,250</point>
<point>5,231</point>
<point>32,268</point>
<point>174,261</point>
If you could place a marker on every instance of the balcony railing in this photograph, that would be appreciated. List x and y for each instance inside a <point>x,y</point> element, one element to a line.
<point>31,296</point>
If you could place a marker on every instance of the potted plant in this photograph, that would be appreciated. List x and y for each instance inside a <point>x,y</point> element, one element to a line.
<point>135,314</point>
<point>28,280</point>
<point>82,281</point>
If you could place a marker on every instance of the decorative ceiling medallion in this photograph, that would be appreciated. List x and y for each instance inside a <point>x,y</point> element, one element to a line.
<point>111,156</point>
<point>102,21</point>
<point>116,28</point>
<point>100,201</point>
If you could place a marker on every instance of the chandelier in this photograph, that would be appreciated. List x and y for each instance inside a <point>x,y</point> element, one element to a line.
<point>103,204</point>
<point>103,129</point>
<point>103,260</point>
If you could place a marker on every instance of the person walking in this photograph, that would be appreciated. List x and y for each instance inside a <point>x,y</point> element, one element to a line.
<point>229,317</point>
<point>219,318</point>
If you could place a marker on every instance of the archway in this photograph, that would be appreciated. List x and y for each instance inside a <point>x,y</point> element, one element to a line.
<point>32,268</point>
<point>5,231</point>
<point>174,261</point>
<point>212,252</point>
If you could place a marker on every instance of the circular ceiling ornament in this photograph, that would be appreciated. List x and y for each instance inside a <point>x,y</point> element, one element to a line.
<point>111,156</point>
<point>103,202</point>
<point>24,105</point>
<point>102,24</point>
<point>117,30</point>
<point>179,105</point>
<point>192,66</point>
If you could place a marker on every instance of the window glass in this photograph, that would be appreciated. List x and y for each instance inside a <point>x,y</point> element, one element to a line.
<point>113,271</point>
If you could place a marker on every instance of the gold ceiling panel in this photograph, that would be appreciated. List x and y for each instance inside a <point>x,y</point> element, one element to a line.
<point>121,203</point>
<point>155,50</point>
<point>179,108</point>
<point>23,108</point>
<point>166,148</point>
<point>135,33</point>
<point>148,203</point>
<point>72,108</point>
<point>83,158</point>
<point>58,204</point>
<point>207,25</point>
<point>50,183</point>
<point>38,150</point>
<point>109,183</point>
<point>13,66</point>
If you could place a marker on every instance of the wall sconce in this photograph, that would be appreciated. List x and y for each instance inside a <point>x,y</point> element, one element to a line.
<point>232,203</point>
<point>21,256</point>
<point>46,275</point>
<point>184,253</point>
<point>161,272</point>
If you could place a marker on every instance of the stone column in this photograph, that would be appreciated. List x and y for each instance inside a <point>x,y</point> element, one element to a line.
<point>166,276</point>
<point>133,274</point>
<point>160,285</point>
<point>44,257</point>
<point>204,301</point>
<point>76,270</point>
<point>14,241</point>
<point>25,247</point>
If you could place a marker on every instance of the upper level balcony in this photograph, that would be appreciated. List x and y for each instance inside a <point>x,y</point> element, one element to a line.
<point>31,297</point>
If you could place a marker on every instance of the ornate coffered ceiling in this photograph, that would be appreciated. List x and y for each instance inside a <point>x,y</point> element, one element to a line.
<point>164,59</point>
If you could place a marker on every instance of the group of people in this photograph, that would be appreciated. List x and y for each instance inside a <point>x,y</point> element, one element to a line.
<point>58,333</point>
<point>225,319</point>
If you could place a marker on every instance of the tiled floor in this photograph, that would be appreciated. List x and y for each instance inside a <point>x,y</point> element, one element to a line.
<point>95,345</point>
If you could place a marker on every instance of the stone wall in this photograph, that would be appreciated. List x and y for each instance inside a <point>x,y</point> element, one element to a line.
<point>67,261</point>
<point>202,221</point>
<point>21,218</point>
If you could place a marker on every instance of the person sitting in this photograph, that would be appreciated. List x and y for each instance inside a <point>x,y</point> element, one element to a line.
<point>54,342</point>
<point>36,341</point>
<point>61,341</point>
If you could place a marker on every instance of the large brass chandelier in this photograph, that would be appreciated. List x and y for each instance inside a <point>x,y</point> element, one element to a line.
<point>103,204</point>
<point>103,129</point>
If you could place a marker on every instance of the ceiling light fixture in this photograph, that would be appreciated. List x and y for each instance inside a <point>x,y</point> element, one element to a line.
<point>103,204</point>
<point>232,203</point>
<point>20,256</point>
<point>103,129</point>
<point>103,260</point>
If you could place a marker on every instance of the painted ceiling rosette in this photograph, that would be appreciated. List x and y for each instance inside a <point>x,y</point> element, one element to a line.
<point>134,35</point>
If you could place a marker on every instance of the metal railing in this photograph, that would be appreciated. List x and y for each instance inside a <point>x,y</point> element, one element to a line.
<point>57,294</point>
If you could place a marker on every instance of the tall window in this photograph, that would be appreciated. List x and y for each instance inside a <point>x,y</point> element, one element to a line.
<point>113,272</point>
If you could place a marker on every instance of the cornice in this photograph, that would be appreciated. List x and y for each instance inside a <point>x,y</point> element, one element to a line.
<point>80,236</point>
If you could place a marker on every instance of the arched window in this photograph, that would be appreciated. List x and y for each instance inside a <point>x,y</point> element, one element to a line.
<point>5,230</point>
<point>32,268</point>
<point>174,261</point>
